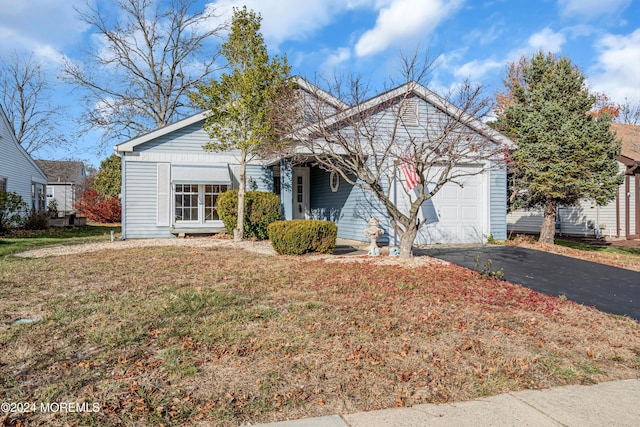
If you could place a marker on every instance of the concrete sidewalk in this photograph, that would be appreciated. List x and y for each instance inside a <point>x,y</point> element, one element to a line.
<point>615,403</point>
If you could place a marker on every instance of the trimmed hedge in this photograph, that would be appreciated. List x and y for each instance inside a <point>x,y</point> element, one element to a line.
<point>300,236</point>
<point>261,209</point>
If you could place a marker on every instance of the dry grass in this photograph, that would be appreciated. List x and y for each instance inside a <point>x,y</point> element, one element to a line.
<point>218,336</point>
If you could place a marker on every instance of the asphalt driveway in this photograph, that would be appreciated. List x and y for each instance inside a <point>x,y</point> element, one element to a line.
<point>609,289</point>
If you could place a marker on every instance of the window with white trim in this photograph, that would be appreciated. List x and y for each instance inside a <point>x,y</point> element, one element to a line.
<point>186,202</point>
<point>211,193</point>
<point>197,203</point>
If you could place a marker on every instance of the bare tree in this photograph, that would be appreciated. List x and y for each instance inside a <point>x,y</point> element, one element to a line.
<point>629,113</point>
<point>380,144</point>
<point>151,55</point>
<point>26,99</point>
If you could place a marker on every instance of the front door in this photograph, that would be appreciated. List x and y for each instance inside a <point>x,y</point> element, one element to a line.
<point>301,208</point>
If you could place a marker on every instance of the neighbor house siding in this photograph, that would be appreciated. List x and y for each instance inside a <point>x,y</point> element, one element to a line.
<point>632,200</point>
<point>140,199</point>
<point>16,166</point>
<point>581,220</point>
<point>350,207</point>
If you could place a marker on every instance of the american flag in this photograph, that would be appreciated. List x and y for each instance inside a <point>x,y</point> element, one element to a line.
<point>408,169</point>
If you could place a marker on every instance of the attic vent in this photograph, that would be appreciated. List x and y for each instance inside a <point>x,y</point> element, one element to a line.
<point>409,112</point>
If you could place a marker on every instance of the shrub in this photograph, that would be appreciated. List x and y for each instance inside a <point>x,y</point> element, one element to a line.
<point>52,207</point>
<point>297,237</point>
<point>12,208</point>
<point>261,209</point>
<point>37,220</point>
<point>98,209</point>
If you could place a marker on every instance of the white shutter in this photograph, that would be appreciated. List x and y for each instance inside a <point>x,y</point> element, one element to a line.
<point>164,194</point>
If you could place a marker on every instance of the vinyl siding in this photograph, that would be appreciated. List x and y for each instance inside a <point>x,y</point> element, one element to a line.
<point>140,201</point>
<point>16,165</point>
<point>141,196</point>
<point>189,139</point>
<point>498,203</point>
<point>64,195</point>
<point>261,176</point>
<point>579,220</point>
<point>350,207</point>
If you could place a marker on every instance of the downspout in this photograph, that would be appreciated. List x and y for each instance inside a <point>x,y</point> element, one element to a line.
<point>123,188</point>
<point>395,199</point>
<point>598,221</point>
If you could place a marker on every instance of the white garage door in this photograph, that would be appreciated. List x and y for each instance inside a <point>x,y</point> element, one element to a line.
<point>459,213</point>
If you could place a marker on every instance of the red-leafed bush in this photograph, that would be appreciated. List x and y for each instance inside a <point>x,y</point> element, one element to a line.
<point>98,209</point>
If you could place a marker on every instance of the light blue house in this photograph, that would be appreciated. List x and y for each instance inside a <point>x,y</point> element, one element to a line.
<point>18,171</point>
<point>170,184</point>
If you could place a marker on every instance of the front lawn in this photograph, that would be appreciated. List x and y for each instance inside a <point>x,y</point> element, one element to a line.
<point>20,241</point>
<point>179,335</point>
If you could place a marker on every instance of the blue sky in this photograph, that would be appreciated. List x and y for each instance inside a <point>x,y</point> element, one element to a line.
<point>471,39</point>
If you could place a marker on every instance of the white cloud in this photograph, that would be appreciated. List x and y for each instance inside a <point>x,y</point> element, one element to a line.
<point>286,19</point>
<point>590,9</point>
<point>336,58</point>
<point>40,26</point>
<point>475,69</point>
<point>547,41</point>
<point>403,19</point>
<point>617,72</point>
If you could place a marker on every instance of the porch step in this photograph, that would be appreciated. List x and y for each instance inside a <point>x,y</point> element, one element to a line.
<point>183,232</point>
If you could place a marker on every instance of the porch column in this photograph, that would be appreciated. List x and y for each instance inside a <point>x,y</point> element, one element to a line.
<point>286,188</point>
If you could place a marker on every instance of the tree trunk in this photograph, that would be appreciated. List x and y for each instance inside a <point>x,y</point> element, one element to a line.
<point>406,241</point>
<point>548,230</point>
<point>238,232</point>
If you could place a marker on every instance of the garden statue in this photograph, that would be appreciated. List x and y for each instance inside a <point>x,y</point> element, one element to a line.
<point>373,233</point>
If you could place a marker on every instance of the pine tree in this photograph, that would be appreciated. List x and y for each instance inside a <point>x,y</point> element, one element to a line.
<point>563,153</point>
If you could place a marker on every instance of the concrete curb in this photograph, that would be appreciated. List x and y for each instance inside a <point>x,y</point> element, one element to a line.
<point>606,404</point>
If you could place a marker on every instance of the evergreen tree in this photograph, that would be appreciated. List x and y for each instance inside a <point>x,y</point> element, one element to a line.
<point>563,153</point>
<point>240,104</point>
<point>107,181</point>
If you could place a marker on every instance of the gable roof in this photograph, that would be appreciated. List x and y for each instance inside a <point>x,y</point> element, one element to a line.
<point>14,140</point>
<point>321,94</point>
<point>129,146</point>
<point>61,170</point>
<point>423,93</point>
<point>630,136</point>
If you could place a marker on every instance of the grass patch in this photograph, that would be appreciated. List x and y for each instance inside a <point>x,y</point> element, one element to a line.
<point>20,242</point>
<point>179,335</point>
<point>598,248</point>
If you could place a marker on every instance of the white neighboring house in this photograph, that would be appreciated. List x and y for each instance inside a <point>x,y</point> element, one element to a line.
<point>19,173</point>
<point>64,182</point>
<point>618,218</point>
